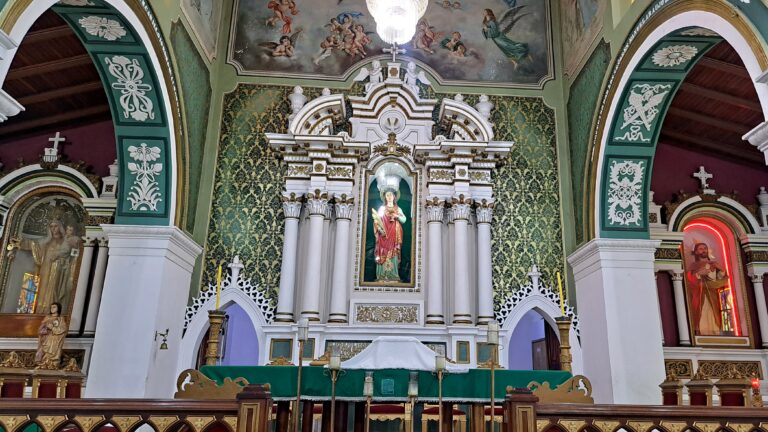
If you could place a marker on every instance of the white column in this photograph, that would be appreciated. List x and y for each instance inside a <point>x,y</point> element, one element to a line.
<point>761,306</point>
<point>145,291</point>
<point>285,295</point>
<point>97,285</point>
<point>484,213</point>
<point>683,333</point>
<point>317,203</point>
<point>435,210</point>
<point>619,319</point>
<point>83,277</point>
<point>462,310</point>
<point>340,290</point>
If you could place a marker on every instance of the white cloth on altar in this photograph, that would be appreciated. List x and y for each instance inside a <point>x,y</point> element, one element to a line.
<point>397,352</point>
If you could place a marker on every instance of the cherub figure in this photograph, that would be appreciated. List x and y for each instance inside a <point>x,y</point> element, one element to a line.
<point>413,78</point>
<point>425,36</point>
<point>282,11</point>
<point>375,75</point>
<point>284,47</point>
<point>327,46</point>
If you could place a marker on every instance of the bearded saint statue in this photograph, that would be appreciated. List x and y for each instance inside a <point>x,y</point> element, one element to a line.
<point>706,277</point>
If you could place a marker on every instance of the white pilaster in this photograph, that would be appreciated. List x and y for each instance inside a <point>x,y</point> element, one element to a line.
<point>462,310</point>
<point>83,277</point>
<point>683,333</point>
<point>317,204</point>
<point>146,290</point>
<point>484,212</point>
<point>435,210</point>
<point>340,290</point>
<point>97,286</point>
<point>761,306</point>
<point>285,295</point>
<point>619,319</point>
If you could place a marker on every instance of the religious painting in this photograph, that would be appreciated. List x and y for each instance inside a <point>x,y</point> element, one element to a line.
<point>204,17</point>
<point>504,42</point>
<point>581,24</point>
<point>389,226</point>
<point>714,293</point>
<point>41,263</point>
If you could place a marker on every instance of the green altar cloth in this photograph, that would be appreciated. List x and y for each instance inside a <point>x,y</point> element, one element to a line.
<point>388,384</point>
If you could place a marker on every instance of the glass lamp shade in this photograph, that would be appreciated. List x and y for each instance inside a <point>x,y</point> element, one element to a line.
<point>396,19</point>
<point>493,333</point>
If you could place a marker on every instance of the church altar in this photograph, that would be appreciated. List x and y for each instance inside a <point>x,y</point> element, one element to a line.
<point>389,384</point>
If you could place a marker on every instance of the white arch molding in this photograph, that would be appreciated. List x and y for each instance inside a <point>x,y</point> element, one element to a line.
<point>549,311</point>
<point>708,20</point>
<point>37,7</point>
<point>198,326</point>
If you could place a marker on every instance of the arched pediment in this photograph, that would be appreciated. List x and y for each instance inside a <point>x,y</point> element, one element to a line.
<point>23,180</point>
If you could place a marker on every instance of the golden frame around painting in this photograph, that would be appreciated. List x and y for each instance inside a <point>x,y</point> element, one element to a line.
<point>27,324</point>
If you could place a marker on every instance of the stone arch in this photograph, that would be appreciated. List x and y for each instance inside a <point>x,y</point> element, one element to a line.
<point>198,326</point>
<point>549,310</point>
<point>639,82</point>
<point>138,77</point>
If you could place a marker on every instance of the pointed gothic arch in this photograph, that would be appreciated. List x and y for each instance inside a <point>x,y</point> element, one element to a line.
<point>140,85</point>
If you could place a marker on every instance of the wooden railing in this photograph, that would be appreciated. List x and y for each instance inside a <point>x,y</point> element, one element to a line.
<point>523,414</point>
<point>251,413</point>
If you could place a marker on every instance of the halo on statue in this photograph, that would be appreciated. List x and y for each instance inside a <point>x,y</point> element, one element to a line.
<point>383,193</point>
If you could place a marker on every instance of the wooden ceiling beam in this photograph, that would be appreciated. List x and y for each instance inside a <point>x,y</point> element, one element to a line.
<point>10,128</point>
<point>48,67</point>
<point>723,66</point>
<point>722,97</point>
<point>47,96</point>
<point>729,126</point>
<point>47,34</point>
<point>695,143</point>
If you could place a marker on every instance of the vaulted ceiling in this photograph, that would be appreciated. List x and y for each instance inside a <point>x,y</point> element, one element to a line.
<point>53,77</point>
<point>715,106</point>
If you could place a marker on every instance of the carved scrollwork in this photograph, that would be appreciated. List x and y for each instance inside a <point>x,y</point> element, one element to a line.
<point>576,390</point>
<point>680,368</point>
<point>192,384</point>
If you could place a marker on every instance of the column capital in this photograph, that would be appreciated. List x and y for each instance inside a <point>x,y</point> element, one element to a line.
<point>89,241</point>
<point>344,206</point>
<point>756,278</point>
<point>317,202</point>
<point>758,137</point>
<point>291,205</point>
<point>677,276</point>
<point>150,241</point>
<point>461,207</point>
<point>484,211</point>
<point>435,209</point>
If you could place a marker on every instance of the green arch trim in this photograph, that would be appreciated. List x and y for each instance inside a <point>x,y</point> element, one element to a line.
<point>43,173</point>
<point>634,129</point>
<point>142,125</point>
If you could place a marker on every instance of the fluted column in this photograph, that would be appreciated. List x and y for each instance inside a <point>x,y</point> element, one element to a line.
<point>285,296</point>
<point>460,207</point>
<point>317,204</point>
<point>339,293</point>
<point>435,210</point>
<point>683,333</point>
<point>83,277</point>
<point>484,213</point>
<point>761,306</point>
<point>97,287</point>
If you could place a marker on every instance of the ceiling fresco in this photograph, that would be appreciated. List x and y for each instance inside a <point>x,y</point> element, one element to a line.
<point>482,42</point>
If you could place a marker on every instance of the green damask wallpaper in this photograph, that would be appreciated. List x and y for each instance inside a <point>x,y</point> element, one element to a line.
<point>584,92</point>
<point>196,88</point>
<point>247,213</point>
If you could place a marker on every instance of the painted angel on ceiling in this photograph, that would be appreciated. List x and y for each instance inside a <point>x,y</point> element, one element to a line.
<point>497,31</point>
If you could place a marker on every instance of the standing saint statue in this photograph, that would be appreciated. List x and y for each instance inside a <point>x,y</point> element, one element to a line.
<point>388,228</point>
<point>706,277</point>
<point>50,339</point>
<point>54,263</point>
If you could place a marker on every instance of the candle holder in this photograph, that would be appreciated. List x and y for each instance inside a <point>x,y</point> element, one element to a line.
<point>334,370</point>
<point>564,328</point>
<point>440,370</point>
<point>368,393</point>
<point>215,321</point>
<point>493,342</point>
<point>302,334</point>
<point>413,393</point>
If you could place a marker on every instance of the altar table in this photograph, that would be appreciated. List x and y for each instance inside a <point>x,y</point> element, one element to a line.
<point>389,384</point>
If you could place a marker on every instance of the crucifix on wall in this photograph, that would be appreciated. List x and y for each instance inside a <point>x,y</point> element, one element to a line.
<point>50,158</point>
<point>703,176</point>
